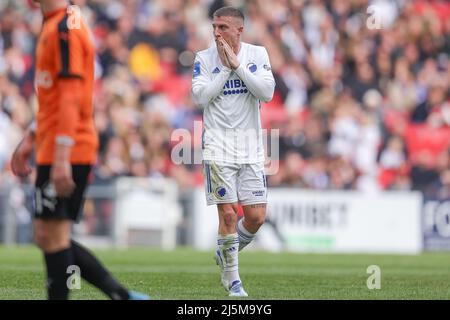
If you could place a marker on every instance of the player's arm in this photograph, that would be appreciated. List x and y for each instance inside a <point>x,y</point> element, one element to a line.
<point>20,159</point>
<point>204,90</point>
<point>69,101</point>
<point>261,83</point>
<point>69,87</point>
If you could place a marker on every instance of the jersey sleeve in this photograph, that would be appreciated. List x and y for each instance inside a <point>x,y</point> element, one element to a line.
<point>70,51</point>
<point>204,89</point>
<point>261,83</point>
<point>71,54</point>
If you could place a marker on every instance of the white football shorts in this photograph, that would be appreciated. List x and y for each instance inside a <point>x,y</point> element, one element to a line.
<point>232,182</point>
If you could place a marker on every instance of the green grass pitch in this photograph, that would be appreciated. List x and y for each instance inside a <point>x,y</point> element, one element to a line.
<point>188,274</point>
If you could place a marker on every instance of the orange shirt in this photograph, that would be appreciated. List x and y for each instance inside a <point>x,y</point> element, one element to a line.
<point>64,84</point>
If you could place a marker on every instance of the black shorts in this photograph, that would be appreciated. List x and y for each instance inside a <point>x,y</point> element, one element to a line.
<point>49,206</point>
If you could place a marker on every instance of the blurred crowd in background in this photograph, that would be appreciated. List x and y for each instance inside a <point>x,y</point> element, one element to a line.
<point>361,102</point>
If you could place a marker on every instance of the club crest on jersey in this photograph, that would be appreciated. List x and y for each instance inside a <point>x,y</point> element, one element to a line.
<point>196,71</point>
<point>220,192</point>
<point>252,67</point>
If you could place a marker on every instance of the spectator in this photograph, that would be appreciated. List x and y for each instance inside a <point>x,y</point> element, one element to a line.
<point>344,93</point>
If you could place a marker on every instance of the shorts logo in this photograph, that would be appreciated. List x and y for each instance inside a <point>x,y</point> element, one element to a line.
<point>46,197</point>
<point>259,193</point>
<point>220,192</point>
<point>49,191</point>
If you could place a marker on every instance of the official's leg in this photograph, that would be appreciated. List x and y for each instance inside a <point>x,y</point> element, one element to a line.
<point>53,238</point>
<point>91,268</point>
<point>53,219</point>
<point>96,274</point>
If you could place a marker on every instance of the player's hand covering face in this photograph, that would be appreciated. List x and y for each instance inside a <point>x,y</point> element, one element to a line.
<point>227,29</point>
<point>230,55</point>
<point>221,49</point>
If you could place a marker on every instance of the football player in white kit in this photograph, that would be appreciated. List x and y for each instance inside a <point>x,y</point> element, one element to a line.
<point>229,80</point>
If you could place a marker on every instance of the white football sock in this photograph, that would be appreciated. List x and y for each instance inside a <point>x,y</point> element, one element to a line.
<point>245,236</point>
<point>229,249</point>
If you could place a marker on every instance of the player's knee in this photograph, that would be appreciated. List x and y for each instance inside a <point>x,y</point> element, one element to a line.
<point>260,221</point>
<point>43,240</point>
<point>256,221</point>
<point>49,240</point>
<point>229,217</point>
<point>48,243</point>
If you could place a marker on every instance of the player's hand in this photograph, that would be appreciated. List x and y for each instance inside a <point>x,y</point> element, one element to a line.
<point>61,177</point>
<point>20,159</point>
<point>61,173</point>
<point>231,56</point>
<point>221,50</point>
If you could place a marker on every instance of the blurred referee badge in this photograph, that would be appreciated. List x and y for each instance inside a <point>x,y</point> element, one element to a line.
<point>374,280</point>
<point>74,280</point>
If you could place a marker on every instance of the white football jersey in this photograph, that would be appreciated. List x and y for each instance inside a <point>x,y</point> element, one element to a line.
<point>231,102</point>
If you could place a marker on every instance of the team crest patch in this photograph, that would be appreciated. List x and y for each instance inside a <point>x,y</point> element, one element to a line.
<point>220,192</point>
<point>196,71</point>
<point>252,67</point>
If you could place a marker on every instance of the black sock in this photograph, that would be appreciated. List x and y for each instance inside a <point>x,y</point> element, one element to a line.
<point>93,272</point>
<point>57,264</point>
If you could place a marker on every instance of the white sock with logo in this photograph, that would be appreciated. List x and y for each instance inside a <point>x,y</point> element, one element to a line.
<point>229,248</point>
